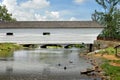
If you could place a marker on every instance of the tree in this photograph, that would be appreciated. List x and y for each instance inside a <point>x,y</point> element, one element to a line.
<point>4,15</point>
<point>109,17</point>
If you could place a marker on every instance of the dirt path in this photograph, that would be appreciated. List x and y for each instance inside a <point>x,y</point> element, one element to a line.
<point>109,57</point>
<point>115,64</point>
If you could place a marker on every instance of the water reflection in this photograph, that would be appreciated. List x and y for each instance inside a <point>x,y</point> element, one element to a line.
<point>45,62</point>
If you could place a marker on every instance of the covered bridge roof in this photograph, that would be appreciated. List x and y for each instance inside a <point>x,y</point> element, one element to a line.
<point>50,24</point>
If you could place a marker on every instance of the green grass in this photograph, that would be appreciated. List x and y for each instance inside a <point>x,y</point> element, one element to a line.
<point>6,49</point>
<point>115,61</point>
<point>112,71</point>
<point>109,50</point>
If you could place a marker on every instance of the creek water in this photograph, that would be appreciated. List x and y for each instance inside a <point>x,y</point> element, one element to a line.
<point>45,64</point>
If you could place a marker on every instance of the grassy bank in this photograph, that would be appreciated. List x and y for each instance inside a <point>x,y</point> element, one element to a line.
<point>6,49</point>
<point>110,63</point>
<point>111,70</point>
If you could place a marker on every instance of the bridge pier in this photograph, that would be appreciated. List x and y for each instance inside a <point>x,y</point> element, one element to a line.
<point>90,47</point>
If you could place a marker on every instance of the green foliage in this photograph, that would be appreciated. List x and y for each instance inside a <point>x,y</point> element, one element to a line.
<point>115,61</point>
<point>109,50</point>
<point>112,71</point>
<point>110,18</point>
<point>6,49</point>
<point>77,45</point>
<point>54,46</point>
<point>118,50</point>
<point>5,54</point>
<point>4,15</point>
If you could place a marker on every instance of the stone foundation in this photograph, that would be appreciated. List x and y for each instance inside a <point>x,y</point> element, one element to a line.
<point>101,44</point>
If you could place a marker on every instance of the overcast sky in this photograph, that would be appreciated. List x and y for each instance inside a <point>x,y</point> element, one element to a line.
<point>49,10</point>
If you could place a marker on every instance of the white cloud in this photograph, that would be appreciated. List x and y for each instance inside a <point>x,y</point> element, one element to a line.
<point>29,10</point>
<point>53,14</point>
<point>35,4</point>
<point>36,10</point>
<point>73,19</point>
<point>10,4</point>
<point>38,17</point>
<point>79,1</point>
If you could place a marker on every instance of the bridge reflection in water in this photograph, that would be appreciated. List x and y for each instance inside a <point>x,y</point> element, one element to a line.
<point>43,64</point>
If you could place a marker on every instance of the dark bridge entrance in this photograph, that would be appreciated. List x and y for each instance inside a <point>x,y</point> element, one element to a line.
<point>51,46</point>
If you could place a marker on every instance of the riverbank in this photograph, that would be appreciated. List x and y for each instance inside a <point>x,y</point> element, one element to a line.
<point>107,63</point>
<point>111,66</point>
<point>96,62</point>
<point>43,64</point>
<point>7,49</point>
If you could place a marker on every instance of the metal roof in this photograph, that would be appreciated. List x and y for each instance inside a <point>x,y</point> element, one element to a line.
<point>50,24</point>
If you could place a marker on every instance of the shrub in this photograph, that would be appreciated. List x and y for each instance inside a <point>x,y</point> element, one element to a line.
<point>6,49</point>
<point>109,50</point>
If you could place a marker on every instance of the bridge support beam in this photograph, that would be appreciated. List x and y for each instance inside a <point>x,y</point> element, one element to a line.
<point>90,47</point>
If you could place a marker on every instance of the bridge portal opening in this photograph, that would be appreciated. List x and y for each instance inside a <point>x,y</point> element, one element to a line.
<point>51,46</point>
<point>29,45</point>
<point>75,46</point>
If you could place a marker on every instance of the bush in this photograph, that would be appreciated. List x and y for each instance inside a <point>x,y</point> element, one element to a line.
<point>104,36</point>
<point>6,49</point>
<point>109,50</point>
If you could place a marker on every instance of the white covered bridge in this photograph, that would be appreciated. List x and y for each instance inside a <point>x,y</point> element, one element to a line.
<point>49,32</point>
